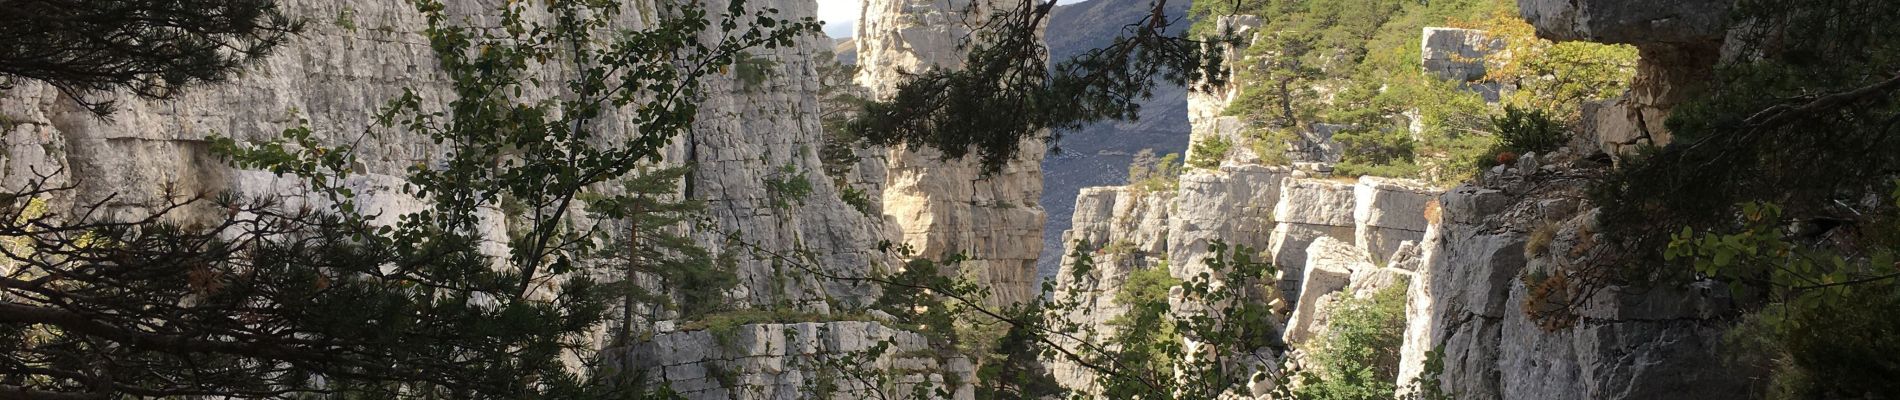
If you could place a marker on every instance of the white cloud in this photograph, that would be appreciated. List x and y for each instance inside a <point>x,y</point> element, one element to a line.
<point>839,16</point>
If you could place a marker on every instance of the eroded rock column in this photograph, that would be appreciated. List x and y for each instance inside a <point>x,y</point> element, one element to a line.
<point>939,206</point>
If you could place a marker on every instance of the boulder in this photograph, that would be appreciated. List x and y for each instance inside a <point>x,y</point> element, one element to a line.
<point>1455,54</point>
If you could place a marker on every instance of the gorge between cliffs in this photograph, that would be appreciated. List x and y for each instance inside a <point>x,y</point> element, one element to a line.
<point>965,199</point>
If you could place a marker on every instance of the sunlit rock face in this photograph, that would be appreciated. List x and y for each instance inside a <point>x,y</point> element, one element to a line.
<point>1520,296</point>
<point>940,206</point>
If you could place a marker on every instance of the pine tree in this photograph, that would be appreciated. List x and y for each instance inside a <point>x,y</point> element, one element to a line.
<point>269,300</point>
<point>654,243</point>
<point>151,48</point>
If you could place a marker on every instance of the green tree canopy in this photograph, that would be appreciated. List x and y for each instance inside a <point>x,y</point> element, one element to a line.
<point>151,48</point>
<point>1007,90</point>
<point>267,299</point>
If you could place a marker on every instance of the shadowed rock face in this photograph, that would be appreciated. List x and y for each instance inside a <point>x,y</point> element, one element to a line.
<point>1636,22</point>
<point>1679,41</point>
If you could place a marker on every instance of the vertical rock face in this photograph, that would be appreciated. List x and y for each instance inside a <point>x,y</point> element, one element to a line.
<point>1124,230</point>
<point>1234,204</point>
<point>338,75</point>
<point>1490,267</point>
<point>948,206</point>
<point>1207,107</point>
<point>1684,22</point>
<point>1307,211</point>
<point>747,134</point>
<point>1387,213</point>
<point>1455,54</point>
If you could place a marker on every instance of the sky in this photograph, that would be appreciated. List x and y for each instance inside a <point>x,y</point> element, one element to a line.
<point>839,16</point>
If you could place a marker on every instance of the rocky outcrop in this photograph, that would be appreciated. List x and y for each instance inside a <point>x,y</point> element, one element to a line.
<point>1679,42</point>
<point>1207,107</point>
<point>1642,23</point>
<point>1329,268</point>
<point>810,360</point>
<point>1307,211</point>
<point>1336,271</point>
<point>940,206</point>
<point>1234,205</point>
<point>1508,252</point>
<point>1493,266</point>
<point>1458,55</point>
<point>1125,230</point>
<point>1120,231</point>
<point>1387,213</point>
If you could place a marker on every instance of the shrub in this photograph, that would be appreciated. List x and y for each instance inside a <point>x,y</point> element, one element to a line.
<point>1270,145</point>
<point>1528,130</point>
<point>753,70</point>
<point>1147,174</point>
<point>1376,146</point>
<point>788,186</point>
<point>856,198</point>
<point>1146,327</point>
<point>346,19</point>
<point>1358,358</point>
<point>1539,242</point>
<point>1209,152</point>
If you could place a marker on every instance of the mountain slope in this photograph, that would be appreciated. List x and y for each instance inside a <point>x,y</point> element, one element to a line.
<point>1098,155</point>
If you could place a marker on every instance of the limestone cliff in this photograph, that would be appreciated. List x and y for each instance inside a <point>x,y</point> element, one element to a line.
<point>337,75</point>
<point>1478,260</point>
<point>1321,245</point>
<point>939,206</point>
<point>1680,42</point>
<point>1499,258</point>
<point>1502,259</point>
